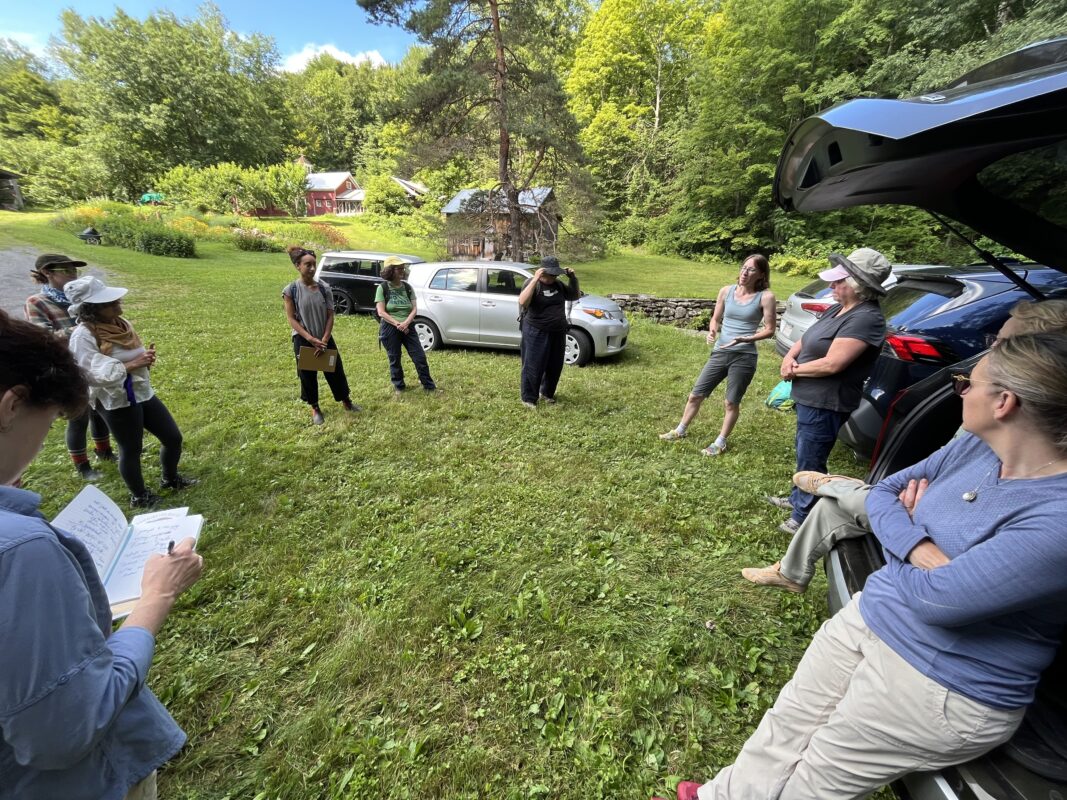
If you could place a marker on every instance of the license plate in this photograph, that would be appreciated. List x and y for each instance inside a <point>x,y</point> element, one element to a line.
<point>787,329</point>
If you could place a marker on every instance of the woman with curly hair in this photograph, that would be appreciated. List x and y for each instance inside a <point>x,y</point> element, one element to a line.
<point>309,308</point>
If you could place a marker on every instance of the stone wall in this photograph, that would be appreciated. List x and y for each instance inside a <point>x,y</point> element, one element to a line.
<point>678,311</point>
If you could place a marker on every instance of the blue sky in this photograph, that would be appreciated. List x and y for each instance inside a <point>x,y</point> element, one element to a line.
<point>299,29</point>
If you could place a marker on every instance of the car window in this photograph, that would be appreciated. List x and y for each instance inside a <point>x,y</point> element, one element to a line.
<point>456,279</point>
<point>504,281</point>
<point>347,267</point>
<point>372,268</point>
<point>1035,180</point>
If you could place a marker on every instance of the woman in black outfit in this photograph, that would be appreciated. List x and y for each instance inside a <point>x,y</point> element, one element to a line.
<point>543,300</point>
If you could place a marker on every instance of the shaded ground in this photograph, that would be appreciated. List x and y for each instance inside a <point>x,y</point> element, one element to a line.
<point>15,281</point>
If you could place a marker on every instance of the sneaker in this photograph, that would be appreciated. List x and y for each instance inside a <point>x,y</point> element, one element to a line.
<point>528,404</point>
<point>146,500</point>
<point>790,526</point>
<point>810,482</point>
<point>316,417</point>
<point>546,399</point>
<point>88,474</point>
<point>672,435</point>
<point>771,576</point>
<point>779,502</point>
<point>178,482</point>
<point>714,449</point>
<point>348,405</point>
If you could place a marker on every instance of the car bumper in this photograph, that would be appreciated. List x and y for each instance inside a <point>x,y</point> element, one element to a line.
<point>609,339</point>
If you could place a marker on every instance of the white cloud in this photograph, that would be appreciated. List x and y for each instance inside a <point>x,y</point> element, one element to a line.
<point>31,41</point>
<point>297,61</point>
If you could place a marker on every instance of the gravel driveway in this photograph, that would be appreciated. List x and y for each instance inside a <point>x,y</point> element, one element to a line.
<point>15,281</point>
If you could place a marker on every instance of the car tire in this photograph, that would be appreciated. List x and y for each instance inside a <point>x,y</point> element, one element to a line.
<point>342,302</point>
<point>579,351</point>
<point>428,333</point>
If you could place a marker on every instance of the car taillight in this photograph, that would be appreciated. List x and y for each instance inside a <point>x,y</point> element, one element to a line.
<point>817,309</point>
<point>913,348</point>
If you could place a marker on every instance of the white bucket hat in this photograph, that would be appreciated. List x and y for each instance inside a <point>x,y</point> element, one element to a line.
<point>90,290</point>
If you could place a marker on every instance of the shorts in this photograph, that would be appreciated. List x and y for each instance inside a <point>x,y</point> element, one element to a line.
<point>736,368</point>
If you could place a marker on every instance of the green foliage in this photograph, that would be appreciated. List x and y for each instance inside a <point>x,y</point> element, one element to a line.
<point>229,188</point>
<point>146,110</point>
<point>385,196</point>
<point>257,243</point>
<point>145,236</point>
<point>30,104</point>
<point>54,174</point>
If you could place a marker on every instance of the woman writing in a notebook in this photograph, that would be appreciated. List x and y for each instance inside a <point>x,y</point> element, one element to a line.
<point>76,718</point>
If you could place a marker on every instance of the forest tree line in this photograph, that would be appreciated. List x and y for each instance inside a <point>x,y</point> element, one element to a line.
<point>658,122</point>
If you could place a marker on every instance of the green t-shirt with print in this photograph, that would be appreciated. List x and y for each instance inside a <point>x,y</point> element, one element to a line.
<point>400,301</point>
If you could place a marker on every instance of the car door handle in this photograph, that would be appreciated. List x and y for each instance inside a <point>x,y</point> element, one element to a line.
<point>488,304</point>
<point>435,297</point>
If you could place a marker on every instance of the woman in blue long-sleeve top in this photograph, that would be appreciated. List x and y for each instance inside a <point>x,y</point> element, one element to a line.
<point>936,660</point>
<point>76,719</point>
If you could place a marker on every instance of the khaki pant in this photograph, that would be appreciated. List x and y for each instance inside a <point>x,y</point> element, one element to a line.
<point>839,514</point>
<point>145,790</point>
<point>856,716</point>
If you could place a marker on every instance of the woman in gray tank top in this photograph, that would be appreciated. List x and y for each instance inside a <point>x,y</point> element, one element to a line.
<point>734,328</point>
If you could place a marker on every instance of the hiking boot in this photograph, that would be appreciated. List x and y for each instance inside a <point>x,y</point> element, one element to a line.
<point>178,482</point>
<point>771,576</point>
<point>88,474</point>
<point>790,526</point>
<point>145,500</point>
<point>672,435</point>
<point>316,417</point>
<point>810,481</point>
<point>779,502</point>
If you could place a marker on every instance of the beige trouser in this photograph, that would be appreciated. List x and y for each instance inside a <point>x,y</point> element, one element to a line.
<point>856,716</point>
<point>839,514</point>
<point>145,790</point>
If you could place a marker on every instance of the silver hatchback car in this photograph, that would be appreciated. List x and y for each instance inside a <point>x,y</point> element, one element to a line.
<point>477,303</point>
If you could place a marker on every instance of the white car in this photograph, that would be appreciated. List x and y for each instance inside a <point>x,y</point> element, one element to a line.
<point>477,303</point>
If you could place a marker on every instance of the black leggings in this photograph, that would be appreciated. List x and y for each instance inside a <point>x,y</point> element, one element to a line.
<point>309,378</point>
<point>128,426</point>
<point>76,428</point>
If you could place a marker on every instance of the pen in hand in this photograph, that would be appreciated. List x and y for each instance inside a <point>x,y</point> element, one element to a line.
<point>170,547</point>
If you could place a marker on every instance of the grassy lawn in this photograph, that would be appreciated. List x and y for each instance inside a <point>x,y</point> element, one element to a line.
<point>452,596</point>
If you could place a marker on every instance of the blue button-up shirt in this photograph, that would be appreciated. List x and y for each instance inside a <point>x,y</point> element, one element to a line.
<point>76,720</point>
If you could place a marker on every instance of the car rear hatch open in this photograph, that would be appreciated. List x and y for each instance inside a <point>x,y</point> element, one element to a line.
<point>990,151</point>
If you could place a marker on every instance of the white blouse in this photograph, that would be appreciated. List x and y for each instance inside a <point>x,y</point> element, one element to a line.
<point>107,373</point>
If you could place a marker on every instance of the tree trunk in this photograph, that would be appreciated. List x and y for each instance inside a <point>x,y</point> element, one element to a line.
<point>513,236</point>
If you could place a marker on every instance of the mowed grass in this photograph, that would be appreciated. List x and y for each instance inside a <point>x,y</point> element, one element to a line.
<point>449,596</point>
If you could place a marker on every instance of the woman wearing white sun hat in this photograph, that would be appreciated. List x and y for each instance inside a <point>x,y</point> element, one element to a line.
<point>830,363</point>
<point>116,363</point>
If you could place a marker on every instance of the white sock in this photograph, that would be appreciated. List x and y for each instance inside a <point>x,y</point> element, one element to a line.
<point>720,440</point>
<point>681,429</point>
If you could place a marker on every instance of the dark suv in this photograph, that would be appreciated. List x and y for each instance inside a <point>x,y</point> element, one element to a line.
<point>354,276</point>
<point>990,152</point>
<point>934,320</point>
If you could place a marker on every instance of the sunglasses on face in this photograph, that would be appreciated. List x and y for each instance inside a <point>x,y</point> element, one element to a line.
<point>961,383</point>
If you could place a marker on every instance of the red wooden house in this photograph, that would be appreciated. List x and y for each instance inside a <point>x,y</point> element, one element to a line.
<point>333,193</point>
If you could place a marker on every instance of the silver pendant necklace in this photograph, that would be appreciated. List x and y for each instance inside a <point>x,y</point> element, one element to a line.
<point>972,495</point>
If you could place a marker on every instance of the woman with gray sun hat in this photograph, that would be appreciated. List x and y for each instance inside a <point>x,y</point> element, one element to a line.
<point>829,364</point>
